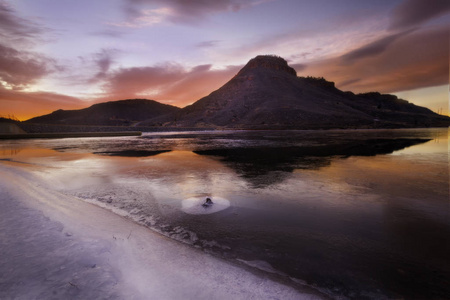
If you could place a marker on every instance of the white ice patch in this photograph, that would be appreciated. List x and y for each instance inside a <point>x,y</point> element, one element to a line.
<point>194,205</point>
<point>261,265</point>
<point>70,249</point>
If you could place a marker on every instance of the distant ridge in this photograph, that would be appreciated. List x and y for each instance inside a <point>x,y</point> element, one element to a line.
<point>113,113</point>
<point>267,94</point>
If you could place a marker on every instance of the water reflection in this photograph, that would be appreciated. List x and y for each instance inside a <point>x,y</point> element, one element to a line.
<point>10,151</point>
<point>254,164</point>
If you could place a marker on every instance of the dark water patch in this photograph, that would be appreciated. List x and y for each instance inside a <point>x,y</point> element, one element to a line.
<point>132,153</point>
<point>332,249</point>
<point>64,148</point>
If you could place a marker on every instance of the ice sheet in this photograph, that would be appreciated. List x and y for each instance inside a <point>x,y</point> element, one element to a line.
<point>56,246</point>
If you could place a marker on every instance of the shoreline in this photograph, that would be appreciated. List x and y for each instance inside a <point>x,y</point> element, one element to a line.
<point>79,249</point>
<point>61,135</point>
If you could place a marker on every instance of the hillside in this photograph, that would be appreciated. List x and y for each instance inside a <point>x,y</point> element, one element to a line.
<point>267,93</point>
<point>113,113</point>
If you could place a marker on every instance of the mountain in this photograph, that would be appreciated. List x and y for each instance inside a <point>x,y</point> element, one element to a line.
<point>113,113</point>
<point>267,94</point>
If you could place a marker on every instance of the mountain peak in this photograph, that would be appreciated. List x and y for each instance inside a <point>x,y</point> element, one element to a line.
<point>271,62</point>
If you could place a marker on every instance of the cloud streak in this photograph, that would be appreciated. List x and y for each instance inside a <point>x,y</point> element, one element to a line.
<point>136,80</point>
<point>146,17</point>
<point>103,60</point>
<point>197,83</point>
<point>375,48</point>
<point>208,44</point>
<point>419,59</point>
<point>412,13</point>
<point>19,69</point>
<point>177,11</point>
<point>17,30</point>
<point>169,82</point>
<point>108,33</point>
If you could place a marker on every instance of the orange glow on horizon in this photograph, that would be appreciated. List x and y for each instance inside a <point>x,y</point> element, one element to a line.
<point>26,112</point>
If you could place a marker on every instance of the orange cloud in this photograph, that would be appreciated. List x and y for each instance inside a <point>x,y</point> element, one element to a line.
<point>397,63</point>
<point>169,83</point>
<point>198,83</point>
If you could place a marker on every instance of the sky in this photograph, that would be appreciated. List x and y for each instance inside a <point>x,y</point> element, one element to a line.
<point>69,54</point>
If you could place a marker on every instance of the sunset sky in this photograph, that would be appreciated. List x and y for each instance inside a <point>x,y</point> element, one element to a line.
<point>69,54</point>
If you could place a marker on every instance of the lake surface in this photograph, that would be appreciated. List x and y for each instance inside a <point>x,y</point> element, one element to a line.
<point>352,213</point>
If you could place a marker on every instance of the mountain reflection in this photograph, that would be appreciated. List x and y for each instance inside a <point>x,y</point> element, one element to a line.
<point>254,164</point>
<point>132,153</point>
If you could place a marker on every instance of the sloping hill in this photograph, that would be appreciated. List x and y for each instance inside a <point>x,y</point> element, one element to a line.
<point>267,93</point>
<point>113,113</point>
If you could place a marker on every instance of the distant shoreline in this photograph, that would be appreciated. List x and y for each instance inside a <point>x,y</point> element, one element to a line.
<point>20,130</point>
<point>60,135</point>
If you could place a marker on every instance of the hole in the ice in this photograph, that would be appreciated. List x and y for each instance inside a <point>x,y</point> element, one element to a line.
<point>203,206</point>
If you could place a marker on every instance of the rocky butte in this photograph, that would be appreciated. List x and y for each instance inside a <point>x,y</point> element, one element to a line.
<point>267,94</point>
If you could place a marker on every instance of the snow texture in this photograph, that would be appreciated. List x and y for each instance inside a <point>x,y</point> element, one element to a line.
<point>55,246</point>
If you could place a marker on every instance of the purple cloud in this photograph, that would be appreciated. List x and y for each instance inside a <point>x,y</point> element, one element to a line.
<point>103,60</point>
<point>412,13</point>
<point>180,11</point>
<point>375,48</point>
<point>109,33</point>
<point>207,44</point>
<point>15,29</point>
<point>20,68</point>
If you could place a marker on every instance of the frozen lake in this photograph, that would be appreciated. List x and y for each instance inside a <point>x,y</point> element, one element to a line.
<point>352,213</point>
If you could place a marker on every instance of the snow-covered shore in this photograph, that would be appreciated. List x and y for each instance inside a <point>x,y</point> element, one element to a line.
<point>58,247</point>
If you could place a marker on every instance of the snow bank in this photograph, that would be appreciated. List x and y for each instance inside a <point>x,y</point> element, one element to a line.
<point>56,246</point>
